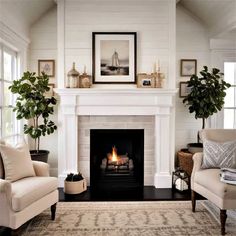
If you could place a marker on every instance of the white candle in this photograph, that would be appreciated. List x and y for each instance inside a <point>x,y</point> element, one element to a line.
<point>158,65</point>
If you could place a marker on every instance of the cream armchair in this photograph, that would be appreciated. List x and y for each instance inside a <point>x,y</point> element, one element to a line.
<point>25,198</point>
<point>207,182</point>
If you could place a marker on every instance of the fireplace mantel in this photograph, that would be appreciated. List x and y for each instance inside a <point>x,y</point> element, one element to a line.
<point>159,103</point>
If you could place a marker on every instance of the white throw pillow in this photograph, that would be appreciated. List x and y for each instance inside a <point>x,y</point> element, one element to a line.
<point>17,161</point>
<point>219,155</point>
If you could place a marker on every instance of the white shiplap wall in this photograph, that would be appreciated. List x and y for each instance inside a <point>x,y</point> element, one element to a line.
<point>150,19</point>
<point>192,42</point>
<point>43,35</point>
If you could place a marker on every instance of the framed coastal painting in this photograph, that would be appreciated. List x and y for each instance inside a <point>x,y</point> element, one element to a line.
<point>184,90</point>
<point>46,66</point>
<point>50,93</point>
<point>188,67</point>
<point>114,57</point>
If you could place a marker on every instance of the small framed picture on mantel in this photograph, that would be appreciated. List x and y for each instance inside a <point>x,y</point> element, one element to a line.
<point>114,57</point>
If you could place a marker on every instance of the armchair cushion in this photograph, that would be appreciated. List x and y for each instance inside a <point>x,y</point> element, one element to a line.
<point>210,180</point>
<point>41,168</point>
<point>28,190</point>
<point>17,161</point>
<point>219,155</point>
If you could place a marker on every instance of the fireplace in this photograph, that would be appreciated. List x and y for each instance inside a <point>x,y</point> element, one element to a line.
<point>116,160</point>
<point>115,103</point>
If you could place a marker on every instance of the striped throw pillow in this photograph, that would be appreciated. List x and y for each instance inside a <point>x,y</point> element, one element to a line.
<point>219,155</point>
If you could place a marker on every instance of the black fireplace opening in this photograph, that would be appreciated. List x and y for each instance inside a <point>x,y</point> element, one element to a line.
<point>116,161</point>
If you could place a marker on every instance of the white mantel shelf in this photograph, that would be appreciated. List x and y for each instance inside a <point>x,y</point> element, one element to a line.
<point>117,101</point>
<point>99,91</point>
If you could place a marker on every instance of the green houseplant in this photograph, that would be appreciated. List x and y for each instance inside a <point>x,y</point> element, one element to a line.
<point>34,106</point>
<point>207,94</point>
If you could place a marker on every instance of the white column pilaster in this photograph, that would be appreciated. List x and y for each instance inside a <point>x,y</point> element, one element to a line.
<point>162,177</point>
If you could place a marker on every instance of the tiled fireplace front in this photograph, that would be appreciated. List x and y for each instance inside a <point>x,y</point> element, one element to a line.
<point>82,110</point>
<point>88,123</point>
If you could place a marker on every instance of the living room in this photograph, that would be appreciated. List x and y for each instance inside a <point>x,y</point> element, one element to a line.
<point>117,92</point>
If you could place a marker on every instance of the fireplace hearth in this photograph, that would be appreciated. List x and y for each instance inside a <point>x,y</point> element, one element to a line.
<point>116,160</point>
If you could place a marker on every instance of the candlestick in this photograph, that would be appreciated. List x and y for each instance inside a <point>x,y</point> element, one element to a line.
<point>154,68</point>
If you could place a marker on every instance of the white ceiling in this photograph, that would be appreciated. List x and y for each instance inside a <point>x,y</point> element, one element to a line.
<point>209,11</point>
<point>28,11</point>
<point>219,16</point>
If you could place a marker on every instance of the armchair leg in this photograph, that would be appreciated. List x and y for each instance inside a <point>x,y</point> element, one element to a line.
<point>53,211</point>
<point>193,197</point>
<point>223,217</point>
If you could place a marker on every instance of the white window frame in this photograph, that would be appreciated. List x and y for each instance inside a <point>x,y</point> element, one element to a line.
<point>15,71</point>
<point>234,86</point>
<point>219,57</point>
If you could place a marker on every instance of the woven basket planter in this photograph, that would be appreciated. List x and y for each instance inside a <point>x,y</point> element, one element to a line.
<point>75,187</point>
<point>185,161</point>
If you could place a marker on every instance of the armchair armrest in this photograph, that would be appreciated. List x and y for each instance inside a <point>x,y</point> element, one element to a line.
<point>41,168</point>
<point>5,190</point>
<point>5,186</point>
<point>5,202</point>
<point>197,162</point>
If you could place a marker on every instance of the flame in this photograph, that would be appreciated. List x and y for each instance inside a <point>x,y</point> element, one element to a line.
<point>114,156</point>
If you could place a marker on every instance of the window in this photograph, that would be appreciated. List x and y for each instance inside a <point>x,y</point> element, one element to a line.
<point>8,72</point>
<point>230,99</point>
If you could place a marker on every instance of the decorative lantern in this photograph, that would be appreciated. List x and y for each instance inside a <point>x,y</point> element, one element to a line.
<point>180,180</point>
<point>85,80</point>
<point>72,78</point>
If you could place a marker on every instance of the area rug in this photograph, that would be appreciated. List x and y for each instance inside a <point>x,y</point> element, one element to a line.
<point>128,219</point>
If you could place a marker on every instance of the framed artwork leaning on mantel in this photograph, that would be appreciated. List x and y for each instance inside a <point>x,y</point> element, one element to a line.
<point>114,57</point>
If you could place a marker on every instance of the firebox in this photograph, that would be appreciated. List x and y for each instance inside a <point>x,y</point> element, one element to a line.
<point>116,160</point>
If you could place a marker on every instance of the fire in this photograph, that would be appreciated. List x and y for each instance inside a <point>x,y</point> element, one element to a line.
<point>114,156</point>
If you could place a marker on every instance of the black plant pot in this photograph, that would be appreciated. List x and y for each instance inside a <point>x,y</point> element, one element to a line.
<point>195,147</point>
<point>41,155</point>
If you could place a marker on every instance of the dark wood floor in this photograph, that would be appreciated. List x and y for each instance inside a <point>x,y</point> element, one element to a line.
<point>148,193</point>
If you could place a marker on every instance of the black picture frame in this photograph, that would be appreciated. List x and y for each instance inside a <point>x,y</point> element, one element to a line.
<point>183,89</point>
<point>103,73</point>
<point>188,67</point>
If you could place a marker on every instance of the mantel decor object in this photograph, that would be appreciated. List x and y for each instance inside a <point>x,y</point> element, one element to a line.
<point>145,81</point>
<point>159,79</point>
<point>114,57</point>
<point>72,78</point>
<point>85,80</point>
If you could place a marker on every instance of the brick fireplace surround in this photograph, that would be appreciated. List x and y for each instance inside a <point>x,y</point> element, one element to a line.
<point>114,108</point>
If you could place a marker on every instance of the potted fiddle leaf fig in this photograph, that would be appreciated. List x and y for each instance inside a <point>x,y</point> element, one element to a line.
<point>34,106</point>
<point>207,93</point>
